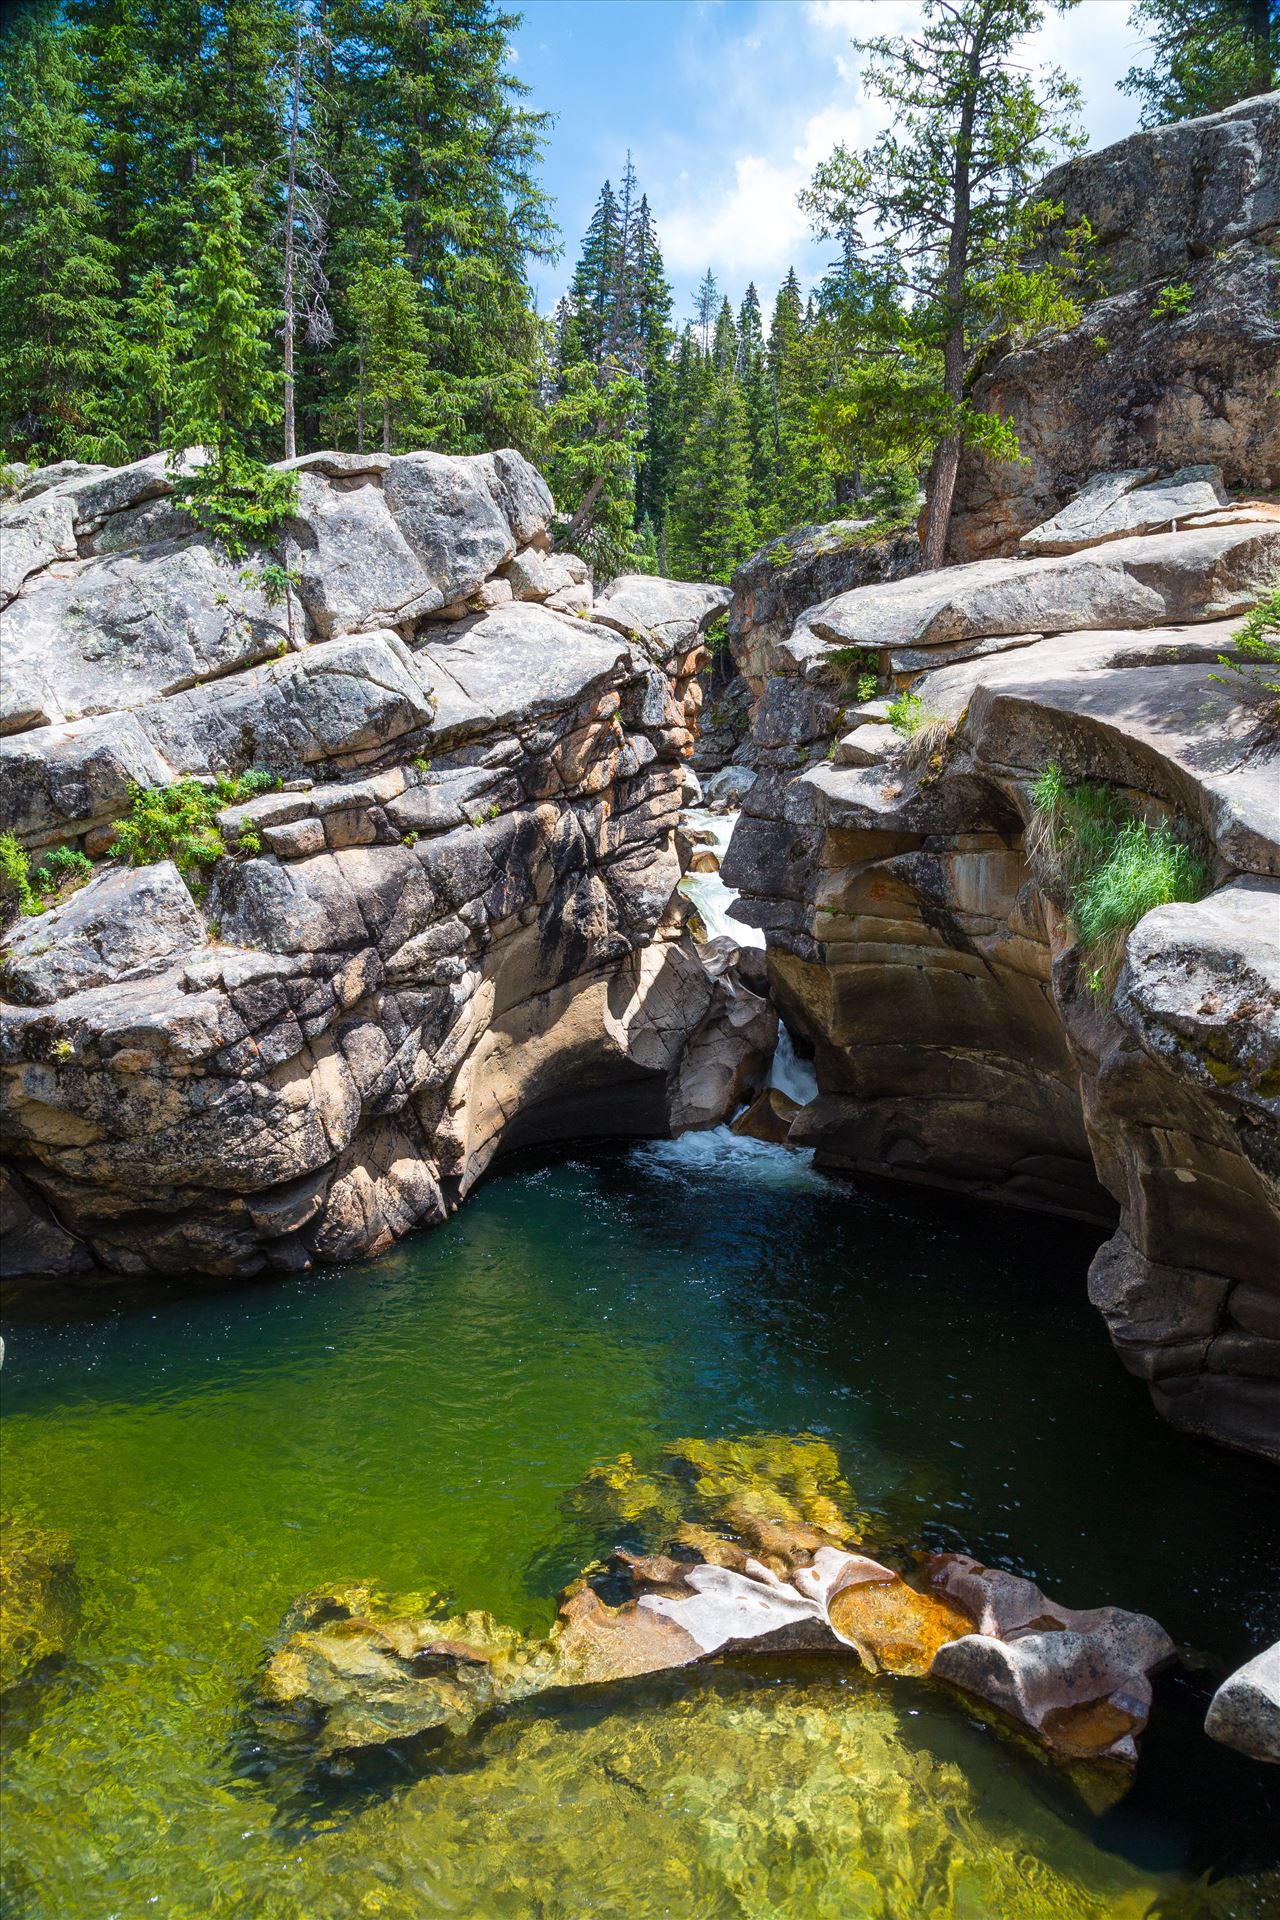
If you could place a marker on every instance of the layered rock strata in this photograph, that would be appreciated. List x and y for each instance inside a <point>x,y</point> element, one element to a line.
<point>770,591</point>
<point>960,1036</point>
<point>452,927</point>
<point>1176,358</point>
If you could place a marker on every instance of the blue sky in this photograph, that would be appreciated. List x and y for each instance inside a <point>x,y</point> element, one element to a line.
<point>727,106</point>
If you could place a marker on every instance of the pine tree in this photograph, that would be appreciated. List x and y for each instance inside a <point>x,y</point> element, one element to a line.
<point>662,441</point>
<point>593,291</point>
<point>711,528</point>
<point>756,401</point>
<point>56,271</point>
<point>705,307</point>
<point>225,385</point>
<point>458,150</point>
<point>943,194</point>
<point>1208,55</point>
<point>724,342</point>
<point>393,339</point>
<point>146,365</point>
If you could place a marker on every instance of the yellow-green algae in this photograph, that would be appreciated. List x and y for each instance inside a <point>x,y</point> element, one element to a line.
<point>37,1600</point>
<point>425,1418</point>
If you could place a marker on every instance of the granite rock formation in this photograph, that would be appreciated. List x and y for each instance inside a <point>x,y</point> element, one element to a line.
<point>1145,382</point>
<point>452,927</point>
<point>917,941</point>
<point>1245,1711</point>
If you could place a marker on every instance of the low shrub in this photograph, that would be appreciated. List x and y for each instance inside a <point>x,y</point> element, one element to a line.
<point>180,823</point>
<point>1255,662</point>
<point>17,895</point>
<point>1172,301</point>
<point>62,869</point>
<point>925,731</point>
<point>1106,867</point>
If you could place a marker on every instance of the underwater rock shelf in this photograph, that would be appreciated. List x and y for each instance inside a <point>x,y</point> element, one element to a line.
<point>765,1560</point>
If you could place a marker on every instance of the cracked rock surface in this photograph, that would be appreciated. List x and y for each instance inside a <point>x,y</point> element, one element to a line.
<point>453,928</point>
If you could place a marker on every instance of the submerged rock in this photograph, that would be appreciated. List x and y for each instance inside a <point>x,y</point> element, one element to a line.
<point>1079,1679</point>
<point>746,1545</point>
<point>38,1612</point>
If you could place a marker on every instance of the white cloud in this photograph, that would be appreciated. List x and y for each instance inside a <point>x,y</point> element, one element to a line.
<point>788,90</point>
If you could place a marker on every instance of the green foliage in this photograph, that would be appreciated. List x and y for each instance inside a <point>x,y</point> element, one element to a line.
<point>1107,867</point>
<point>275,581</point>
<point>1255,658</point>
<point>907,714</point>
<point>779,555</point>
<point>17,895</point>
<point>1172,301</point>
<point>224,385</point>
<point>1145,867</point>
<point>867,686</point>
<point>57,275</point>
<point>392,336</point>
<point>934,222</point>
<point>60,870</point>
<point>711,528</point>
<point>1207,55</point>
<point>180,822</point>
<point>716,637</point>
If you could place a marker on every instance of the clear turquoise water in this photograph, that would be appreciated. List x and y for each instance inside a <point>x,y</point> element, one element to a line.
<point>419,1421</point>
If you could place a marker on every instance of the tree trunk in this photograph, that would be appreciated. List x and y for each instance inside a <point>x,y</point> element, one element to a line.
<point>582,518</point>
<point>291,192</point>
<point>946,459</point>
<point>386,426</point>
<point>360,400</point>
<point>1260,31</point>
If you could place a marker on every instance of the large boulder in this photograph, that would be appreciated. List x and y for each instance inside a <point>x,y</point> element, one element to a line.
<point>452,927</point>
<point>1137,383</point>
<point>1202,573</point>
<point>917,938</point>
<point>805,566</point>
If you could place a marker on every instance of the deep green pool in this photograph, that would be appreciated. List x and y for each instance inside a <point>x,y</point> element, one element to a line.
<point>419,1420</point>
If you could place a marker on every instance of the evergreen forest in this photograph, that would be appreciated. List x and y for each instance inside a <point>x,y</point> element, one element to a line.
<point>270,226</point>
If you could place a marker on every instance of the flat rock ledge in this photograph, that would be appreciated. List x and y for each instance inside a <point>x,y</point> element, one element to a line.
<point>453,926</point>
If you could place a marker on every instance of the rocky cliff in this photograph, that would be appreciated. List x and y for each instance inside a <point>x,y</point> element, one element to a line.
<point>1176,360</point>
<point>919,942</point>
<point>921,934</point>
<point>446,920</point>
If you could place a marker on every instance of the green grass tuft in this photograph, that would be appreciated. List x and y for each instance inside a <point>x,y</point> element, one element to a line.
<point>1106,867</point>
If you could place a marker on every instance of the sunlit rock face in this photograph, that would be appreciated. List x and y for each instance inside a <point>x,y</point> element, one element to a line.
<point>961,1036</point>
<point>454,927</point>
<point>1140,383</point>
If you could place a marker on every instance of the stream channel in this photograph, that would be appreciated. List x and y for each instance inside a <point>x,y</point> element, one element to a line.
<point>420,1420</point>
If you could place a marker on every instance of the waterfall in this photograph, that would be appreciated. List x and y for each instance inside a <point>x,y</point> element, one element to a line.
<point>790,1074</point>
<point>707,891</point>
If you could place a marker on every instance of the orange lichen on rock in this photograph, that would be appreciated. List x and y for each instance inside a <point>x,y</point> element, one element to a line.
<point>894,1628</point>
